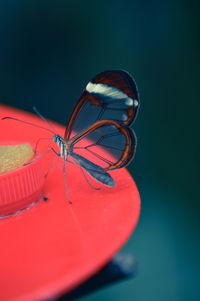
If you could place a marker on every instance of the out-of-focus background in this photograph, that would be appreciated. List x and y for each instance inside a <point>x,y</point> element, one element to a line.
<point>49,50</point>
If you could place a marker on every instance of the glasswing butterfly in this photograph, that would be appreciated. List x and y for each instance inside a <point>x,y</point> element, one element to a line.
<point>98,136</point>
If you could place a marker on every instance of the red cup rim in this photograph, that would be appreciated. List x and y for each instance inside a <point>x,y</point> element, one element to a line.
<point>21,187</point>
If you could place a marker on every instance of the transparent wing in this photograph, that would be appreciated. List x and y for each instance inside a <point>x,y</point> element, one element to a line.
<point>106,143</point>
<point>110,95</point>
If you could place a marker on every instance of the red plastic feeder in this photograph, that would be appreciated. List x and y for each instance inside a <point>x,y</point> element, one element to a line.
<point>53,246</point>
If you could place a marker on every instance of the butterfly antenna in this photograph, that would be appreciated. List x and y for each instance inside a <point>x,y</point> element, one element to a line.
<point>43,118</point>
<point>30,123</point>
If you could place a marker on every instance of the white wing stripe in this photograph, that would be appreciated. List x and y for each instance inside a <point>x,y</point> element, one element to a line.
<point>109,91</point>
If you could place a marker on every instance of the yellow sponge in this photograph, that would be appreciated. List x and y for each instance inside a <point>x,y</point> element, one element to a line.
<point>14,156</point>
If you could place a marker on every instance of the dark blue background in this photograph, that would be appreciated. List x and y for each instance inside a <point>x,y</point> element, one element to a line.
<point>49,50</point>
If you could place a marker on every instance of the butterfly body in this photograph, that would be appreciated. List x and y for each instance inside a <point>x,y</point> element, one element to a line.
<point>62,146</point>
<point>102,139</point>
<point>98,137</point>
<point>94,170</point>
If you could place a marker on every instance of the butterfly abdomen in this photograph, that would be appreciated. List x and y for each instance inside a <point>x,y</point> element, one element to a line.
<point>94,170</point>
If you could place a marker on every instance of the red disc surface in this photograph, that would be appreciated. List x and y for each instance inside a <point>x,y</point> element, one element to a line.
<point>53,246</point>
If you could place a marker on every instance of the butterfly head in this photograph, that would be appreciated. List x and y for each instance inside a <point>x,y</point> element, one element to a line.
<point>57,139</point>
<point>62,145</point>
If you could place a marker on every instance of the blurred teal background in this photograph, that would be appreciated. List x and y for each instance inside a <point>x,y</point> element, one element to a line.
<point>49,50</point>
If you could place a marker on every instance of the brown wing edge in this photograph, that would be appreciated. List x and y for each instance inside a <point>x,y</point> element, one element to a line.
<point>129,151</point>
<point>128,133</point>
<point>73,118</point>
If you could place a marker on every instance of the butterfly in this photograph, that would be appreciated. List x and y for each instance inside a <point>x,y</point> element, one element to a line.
<point>98,136</point>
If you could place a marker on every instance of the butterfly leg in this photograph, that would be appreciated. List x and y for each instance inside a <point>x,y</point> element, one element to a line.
<point>58,154</point>
<point>51,166</point>
<point>64,172</point>
<point>37,142</point>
